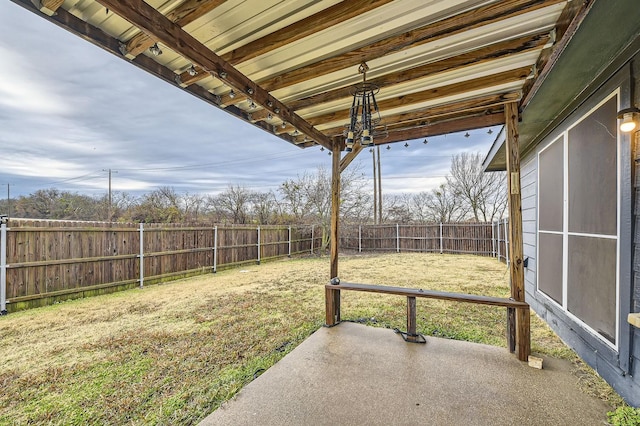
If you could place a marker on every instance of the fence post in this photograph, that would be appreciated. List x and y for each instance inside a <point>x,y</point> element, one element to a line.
<point>215,249</point>
<point>498,239</point>
<point>289,240</point>
<point>3,267</point>
<point>506,240</point>
<point>258,245</point>
<point>441,240</point>
<point>312,239</point>
<point>493,241</point>
<point>397,238</point>
<point>141,255</point>
<point>359,238</point>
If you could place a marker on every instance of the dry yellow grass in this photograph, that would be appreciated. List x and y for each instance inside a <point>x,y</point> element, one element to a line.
<point>171,353</point>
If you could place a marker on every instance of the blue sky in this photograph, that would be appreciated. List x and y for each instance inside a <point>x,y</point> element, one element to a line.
<point>69,111</point>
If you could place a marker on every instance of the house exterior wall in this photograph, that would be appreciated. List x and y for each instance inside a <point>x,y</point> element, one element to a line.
<point>619,367</point>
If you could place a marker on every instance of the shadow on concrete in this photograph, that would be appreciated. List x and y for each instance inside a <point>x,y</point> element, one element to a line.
<point>358,375</point>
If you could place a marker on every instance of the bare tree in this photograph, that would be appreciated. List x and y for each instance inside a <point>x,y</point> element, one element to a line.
<point>234,203</point>
<point>397,209</point>
<point>265,207</point>
<point>193,205</point>
<point>484,194</point>
<point>308,198</point>
<point>444,205</point>
<point>159,206</point>
<point>420,208</point>
<point>294,201</point>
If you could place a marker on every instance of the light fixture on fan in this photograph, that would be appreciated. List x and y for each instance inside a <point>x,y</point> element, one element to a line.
<point>364,113</point>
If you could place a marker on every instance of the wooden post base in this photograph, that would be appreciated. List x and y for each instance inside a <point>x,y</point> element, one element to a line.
<point>523,333</point>
<point>332,307</point>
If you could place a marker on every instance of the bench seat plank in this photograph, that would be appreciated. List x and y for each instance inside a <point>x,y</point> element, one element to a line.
<point>430,294</point>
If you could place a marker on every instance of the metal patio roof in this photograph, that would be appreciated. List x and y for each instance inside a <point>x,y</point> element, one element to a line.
<point>442,65</point>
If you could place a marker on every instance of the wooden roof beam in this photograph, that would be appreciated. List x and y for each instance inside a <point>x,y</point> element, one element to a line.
<point>182,15</point>
<point>319,21</point>
<point>475,57</point>
<point>443,128</point>
<point>48,7</point>
<point>475,18</point>
<point>174,37</point>
<point>431,94</point>
<point>424,115</point>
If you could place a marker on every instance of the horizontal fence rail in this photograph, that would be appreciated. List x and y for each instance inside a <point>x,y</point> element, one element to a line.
<point>484,239</point>
<point>42,262</point>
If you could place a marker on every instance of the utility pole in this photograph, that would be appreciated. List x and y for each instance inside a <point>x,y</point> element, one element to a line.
<point>8,201</point>
<point>375,188</point>
<point>110,210</point>
<point>379,187</point>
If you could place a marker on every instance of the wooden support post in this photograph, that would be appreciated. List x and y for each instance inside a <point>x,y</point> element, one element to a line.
<point>516,266</point>
<point>523,333</point>
<point>332,297</point>
<point>412,334</point>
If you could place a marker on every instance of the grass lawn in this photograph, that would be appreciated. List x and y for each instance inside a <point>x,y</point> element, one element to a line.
<point>172,353</point>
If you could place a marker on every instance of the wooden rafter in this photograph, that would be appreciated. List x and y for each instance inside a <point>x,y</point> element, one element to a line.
<point>444,127</point>
<point>475,18</point>
<point>319,21</point>
<point>48,7</point>
<point>423,116</point>
<point>475,57</point>
<point>182,15</point>
<point>324,19</point>
<point>173,36</point>
<point>432,94</point>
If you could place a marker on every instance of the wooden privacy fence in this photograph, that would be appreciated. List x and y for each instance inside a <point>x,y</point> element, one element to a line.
<point>45,261</point>
<point>484,239</point>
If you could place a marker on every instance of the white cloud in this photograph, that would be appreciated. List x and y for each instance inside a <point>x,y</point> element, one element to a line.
<point>25,90</point>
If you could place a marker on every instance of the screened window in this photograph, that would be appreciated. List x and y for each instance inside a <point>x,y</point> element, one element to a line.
<point>578,220</point>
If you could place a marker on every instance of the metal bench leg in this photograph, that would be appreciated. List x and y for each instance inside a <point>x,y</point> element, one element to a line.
<point>411,335</point>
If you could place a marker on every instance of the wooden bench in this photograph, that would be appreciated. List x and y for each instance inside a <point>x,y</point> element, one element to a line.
<point>513,308</point>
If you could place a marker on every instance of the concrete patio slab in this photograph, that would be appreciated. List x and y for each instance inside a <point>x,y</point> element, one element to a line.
<point>358,375</point>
